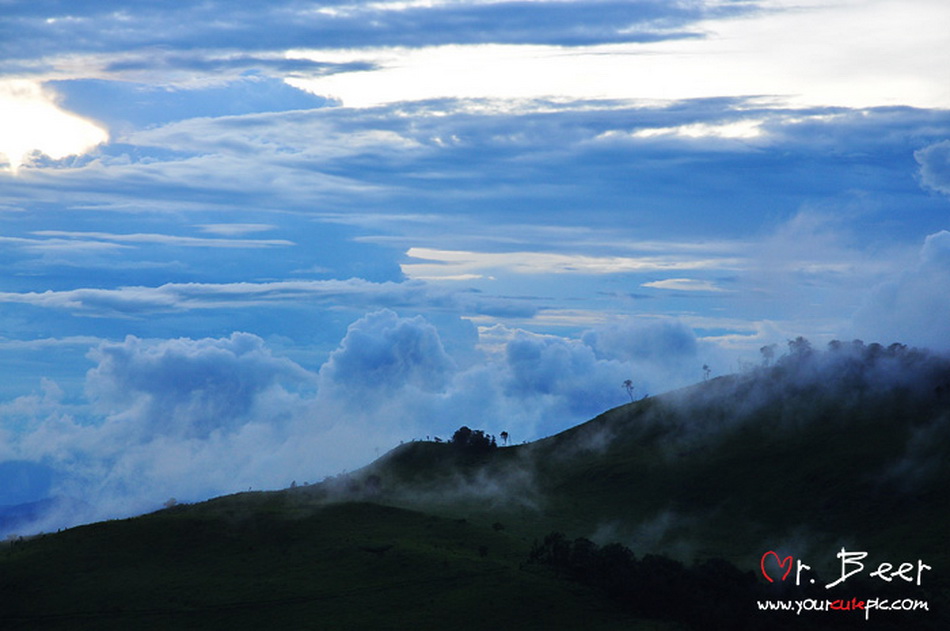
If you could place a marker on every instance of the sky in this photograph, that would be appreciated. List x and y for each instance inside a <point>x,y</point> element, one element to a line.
<point>245,244</point>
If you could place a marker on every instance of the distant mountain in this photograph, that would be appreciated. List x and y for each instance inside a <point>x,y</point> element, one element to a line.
<point>22,518</point>
<point>847,448</point>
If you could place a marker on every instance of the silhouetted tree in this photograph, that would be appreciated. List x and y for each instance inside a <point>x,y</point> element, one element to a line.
<point>473,440</point>
<point>504,437</point>
<point>706,371</point>
<point>628,386</point>
<point>799,348</point>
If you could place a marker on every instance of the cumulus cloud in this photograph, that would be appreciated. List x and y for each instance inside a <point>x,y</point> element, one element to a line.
<point>912,307</point>
<point>654,339</point>
<point>659,353</point>
<point>179,417</point>
<point>383,352</point>
<point>186,387</point>
<point>563,370</point>
<point>934,161</point>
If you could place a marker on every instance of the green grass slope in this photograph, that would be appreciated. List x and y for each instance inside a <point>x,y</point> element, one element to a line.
<point>276,560</point>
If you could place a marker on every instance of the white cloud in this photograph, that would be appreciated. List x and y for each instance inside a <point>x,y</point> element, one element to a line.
<point>187,296</point>
<point>684,284</point>
<point>934,161</point>
<point>447,264</point>
<point>186,387</point>
<point>913,306</point>
<point>854,53</point>
<point>741,129</point>
<point>382,352</point>
<point>162,239</point>
<point>31,121</point>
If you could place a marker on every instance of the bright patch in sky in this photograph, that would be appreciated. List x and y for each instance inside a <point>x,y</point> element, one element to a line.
<point>854,53</point>
<point>31,121</point>
<point>746,129</point>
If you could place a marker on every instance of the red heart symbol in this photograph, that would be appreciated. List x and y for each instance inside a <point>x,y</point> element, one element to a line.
<point>781,565</point>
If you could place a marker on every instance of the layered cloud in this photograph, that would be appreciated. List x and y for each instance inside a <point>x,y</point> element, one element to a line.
<point>247,26</point>
<point>178,297</point>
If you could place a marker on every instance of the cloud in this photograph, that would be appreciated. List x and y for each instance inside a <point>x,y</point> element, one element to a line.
<point>179,297</point>
<point>684,284</point>
<point>192,418</point>
<point>31,121</point>
<point>382,352</point>
<point>742,129</point>
<point>934,161</point>
<point>184,387</point>
<point>127,105</point>
<point>455,265</point>
<point>665,340</point>
<point>741,54</point>
<point>236,229</point>
<point>911,307</point>
<point>106,27</point>
<point>162,239</point>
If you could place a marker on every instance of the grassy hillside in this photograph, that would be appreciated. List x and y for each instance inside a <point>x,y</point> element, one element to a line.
<point>846,448</point>
<point>270,561</point>
<point>809,457</point>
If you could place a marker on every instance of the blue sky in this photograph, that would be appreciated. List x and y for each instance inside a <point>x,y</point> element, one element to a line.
<point>248,243</point>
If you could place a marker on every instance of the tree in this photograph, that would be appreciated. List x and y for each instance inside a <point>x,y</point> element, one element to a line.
<point>473,440</point>
<point>504,437</point>
<point>706,371</point>
<point>628,386</point>
<point>768,354</point>
<point>799,347</point>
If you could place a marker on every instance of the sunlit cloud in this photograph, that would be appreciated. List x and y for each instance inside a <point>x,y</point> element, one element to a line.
<point>30,121</point>
<point>852,54</point>
<point>744,129</point>
<point>684,284</point>
<point>452,264</point>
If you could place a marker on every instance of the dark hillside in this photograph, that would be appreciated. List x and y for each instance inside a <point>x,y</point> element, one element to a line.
<point>264,561</point>
<point>851,445</point>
